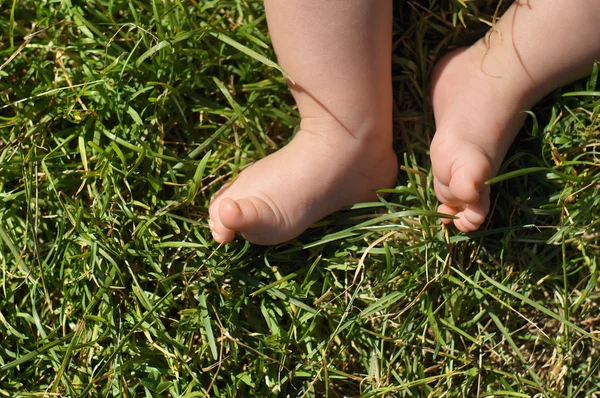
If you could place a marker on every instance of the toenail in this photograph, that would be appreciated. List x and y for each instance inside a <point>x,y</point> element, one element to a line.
<point>211,224</point>
<point>217,236</point>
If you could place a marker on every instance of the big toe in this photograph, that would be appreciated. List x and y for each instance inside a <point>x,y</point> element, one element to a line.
<point>469,172</point>
<point>460,167</point>
<point>253,218</point>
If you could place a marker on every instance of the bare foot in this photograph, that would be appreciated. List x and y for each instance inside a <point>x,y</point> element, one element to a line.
<point>479,94</point>
<point>478,111</point>
<point>321,170</point>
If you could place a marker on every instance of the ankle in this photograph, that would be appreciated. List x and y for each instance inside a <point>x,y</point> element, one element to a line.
<point>503,68</point>
<point>371,128</point>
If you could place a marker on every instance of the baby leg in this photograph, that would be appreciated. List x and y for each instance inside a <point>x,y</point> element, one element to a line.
<point>338,53</point>
<point>479,94</point>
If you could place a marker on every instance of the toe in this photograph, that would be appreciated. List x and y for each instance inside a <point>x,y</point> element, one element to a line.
<point>223,235</point>
<point>474,216</point>
<point>246,214</point>
<point>441,152</point>
<point>444,194</point>
<point>464,225</point>
<point>447,210</point>
<point>470,170</point>
<point>220,233</point>
<point>476,213</point>
<point>471,218</point>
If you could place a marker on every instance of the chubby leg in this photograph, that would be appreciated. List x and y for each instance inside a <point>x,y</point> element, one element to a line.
<point>479,94</point>
<point>338,53</point>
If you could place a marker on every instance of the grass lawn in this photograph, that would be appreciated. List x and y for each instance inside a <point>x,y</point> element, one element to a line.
<point>118,121</point>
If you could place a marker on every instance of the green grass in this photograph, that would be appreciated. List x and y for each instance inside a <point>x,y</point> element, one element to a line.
<point>118,121</point>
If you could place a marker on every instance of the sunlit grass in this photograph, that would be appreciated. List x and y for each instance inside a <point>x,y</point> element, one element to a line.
<point>119,120</point>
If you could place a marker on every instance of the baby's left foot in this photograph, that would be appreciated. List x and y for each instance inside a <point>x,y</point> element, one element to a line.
<point>478,111</point>
<point>479,94</point>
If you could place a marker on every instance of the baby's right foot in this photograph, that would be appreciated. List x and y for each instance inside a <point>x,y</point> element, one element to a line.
<point>324,168</point>
<point>478,103</point>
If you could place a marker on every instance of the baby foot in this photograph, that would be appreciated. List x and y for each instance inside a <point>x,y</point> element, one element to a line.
<point>478,99</point>
<point>324,168</point>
